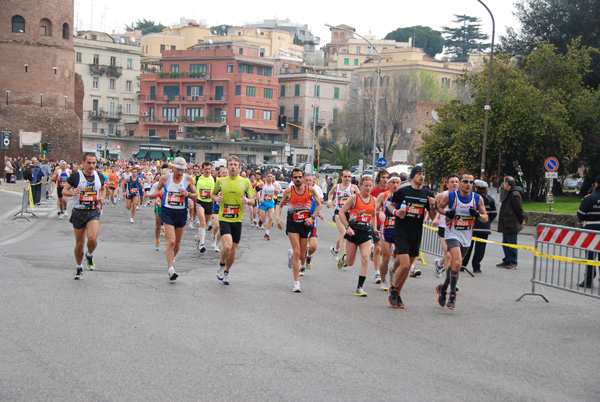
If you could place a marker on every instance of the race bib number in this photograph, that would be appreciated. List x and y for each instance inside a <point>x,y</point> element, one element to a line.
<point>88,200</point>
<point>268,197</point>
<point>415,211</point>
<point>175,199</point>
<point>463,222</point>
<point>133,191</point>
<point>300,216</point>
<point>231,211</point>
<point>342,200</point>
<point>363,219</point>
<point>111,183</point>
<point>204,193</point>
<point>390,221</point>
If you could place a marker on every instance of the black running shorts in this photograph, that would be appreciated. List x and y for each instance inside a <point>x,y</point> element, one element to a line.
<point>231,228</point>
<point>300,228</point>
<point>207,206</point>
<point>405,246</point>
<point>360,237</point>
<point>174,217</point>
<point>81,217</point>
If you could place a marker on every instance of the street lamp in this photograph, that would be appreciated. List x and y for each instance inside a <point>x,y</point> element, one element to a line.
<point>312,139</point>
<point>376,92</point>
<point>489,90</point>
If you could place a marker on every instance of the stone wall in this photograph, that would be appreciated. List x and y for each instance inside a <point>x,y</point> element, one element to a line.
<point>533,218</point>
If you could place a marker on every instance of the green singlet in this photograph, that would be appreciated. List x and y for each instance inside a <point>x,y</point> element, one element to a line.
<point>232,190</point>
<point>204,185</point>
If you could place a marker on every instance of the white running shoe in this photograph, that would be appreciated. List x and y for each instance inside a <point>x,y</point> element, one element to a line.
<point>172,274</point>
<point>290,254</point>
<point>131,220</point>
<point>157,246</point>
<point>137,208</point>
<point>191,225</point>
<point>414,271</point>
<point>377,277</point>
<point>65,214</point>
<point>217,250</point>
<point>437,268</point>
<point>297,287</point>
<point>225,278</point>
<point>334,252</point>
<point>220,272</point>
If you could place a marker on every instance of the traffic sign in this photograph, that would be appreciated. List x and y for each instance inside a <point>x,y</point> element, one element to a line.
<point>99,146</point>
<point>118,147</point>
<point>381,162</point>
<point>6,140</point>
<point>106,138</point>
<point>551,164</point>
<point>551,175</point>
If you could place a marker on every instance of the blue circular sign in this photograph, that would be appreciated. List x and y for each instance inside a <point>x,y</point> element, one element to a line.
<point>381,162</point>
<point>551,164</point>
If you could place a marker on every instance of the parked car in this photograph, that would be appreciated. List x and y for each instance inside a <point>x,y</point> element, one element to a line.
<point>284,185</point>
<point>572,184</point>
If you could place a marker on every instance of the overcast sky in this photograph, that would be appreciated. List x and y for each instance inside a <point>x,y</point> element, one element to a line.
<point>382,17</point>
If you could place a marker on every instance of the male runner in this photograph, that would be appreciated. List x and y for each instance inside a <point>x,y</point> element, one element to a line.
<point>361,209</point>
<point>88,186</point>
<point>342,191</point>
<point>204,205</point>
<point>235,193</point>
<point>408,228</point>
<point>382,186</point>
<point>388,223</point>
<point>216,236</point>
<point>452,183</point>
<point>133,185</point>
<point>60,177</point>
<point>112,186</point>
<point>178,186</point>
<point>464,207</point>
<point>267,196</point>
<point>299,220</point>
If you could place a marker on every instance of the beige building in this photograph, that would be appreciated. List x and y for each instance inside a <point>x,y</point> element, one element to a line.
<point>110,72</point>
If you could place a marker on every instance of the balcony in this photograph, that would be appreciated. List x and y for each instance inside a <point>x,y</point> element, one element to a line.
<point>174,75</point>
<point>114,71</point>
<point>97,69</point>
<point>95,115</point>
<point>114,117</point>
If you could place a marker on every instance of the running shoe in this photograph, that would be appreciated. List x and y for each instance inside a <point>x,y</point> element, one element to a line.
<point>220,272</point>
<point>172,274</point>
<point>226,278</point>
<point>341,261</point>
<point>59,215</point>
<point>137,208</point>
<point>290,254</point>
<point>191,225</point>
<point>157,245</point>
<point>302,269</point>
<point>334,252</point>
<point>451,305</point>
<point>213,241</point>
<point>197,240</point>
<point>441,295</point>
<point>309,262</point>
<point>202,248</point>
<point>360,292</point>
<point>89,259</point>
<point>414,272</point>
<point>384,286</point>
<point>377,277</point>
<point>400,304</point>
<point>297,287</point>
<point>66,214</point>
<point>437,268</point>
<point>217,249</point>
<point>209,227</point>
<point>267,237</point>
<point>78,273</point>
<point>131,220</point>
<point>251,224</point>
<point>393,296</point>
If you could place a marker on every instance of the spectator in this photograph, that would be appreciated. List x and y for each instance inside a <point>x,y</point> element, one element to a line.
<point>36,182</point>
<point>510,221</point>
<point>47,169</point>
<point>19,170</point>
<point>589,214</point>
<point>481,230</point>
<point>8,170</point>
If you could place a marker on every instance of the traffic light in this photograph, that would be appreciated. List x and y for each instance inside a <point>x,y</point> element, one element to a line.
<point>281,121</point>
<point>36,147</point>
<point>172,154</point>
<point>178,154</point>
<point>44,147</point>
<point>48,147</point>
<point>316,165</point>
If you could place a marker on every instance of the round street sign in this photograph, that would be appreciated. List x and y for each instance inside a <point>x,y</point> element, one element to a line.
<point>6,142</point>
<point>551,164</point>
<point>118,147</point>
<point>381,162</point>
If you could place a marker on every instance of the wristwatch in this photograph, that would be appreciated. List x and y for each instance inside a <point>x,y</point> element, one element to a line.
<point>347,226</point>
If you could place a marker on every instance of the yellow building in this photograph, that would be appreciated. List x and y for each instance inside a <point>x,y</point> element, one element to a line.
<point>269,41</point>
<point>180,38</point>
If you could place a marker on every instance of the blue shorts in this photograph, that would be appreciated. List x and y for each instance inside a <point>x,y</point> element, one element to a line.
<point>388,236</point>
<point>215,208</point>
<point>266,205</point>
<point>174,217</point>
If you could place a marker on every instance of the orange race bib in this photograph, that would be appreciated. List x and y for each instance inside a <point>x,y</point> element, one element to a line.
<point>175,200</point>
<point>204,193</point>
<point>300,216</point>
<point>268,197</point>
<point>463,222</point>
<point>231,211</point>
<point>390,221</point>
<point>415,210</point>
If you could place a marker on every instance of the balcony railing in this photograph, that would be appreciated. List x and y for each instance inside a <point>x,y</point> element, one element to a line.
<point>184,74</point>
<point>114,71</point>
<point>183,98</point>
<point>97,69</point>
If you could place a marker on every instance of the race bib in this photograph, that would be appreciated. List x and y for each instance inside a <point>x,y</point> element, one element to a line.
<point>363,218</point>
<point>300,216</point>
<point>88,200</point>
<point>415,211</point>
<point>133,191</point>
<point>390,221</point>
<point>175,199</point>
<point>204,193</point>
<point>268,197</point>
<point>463,222</point>
<point>342,200</point>
<point>231,211</point>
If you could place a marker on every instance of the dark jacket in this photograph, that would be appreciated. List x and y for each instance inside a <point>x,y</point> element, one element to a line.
<point>37,174</point>
<point>511,211</point>
<point>490,208</point>
<point>589,210</point>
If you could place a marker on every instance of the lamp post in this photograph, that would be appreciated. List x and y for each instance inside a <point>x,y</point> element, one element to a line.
<point>312,140</point>
<point>489,90</point>
<point>376,92</point>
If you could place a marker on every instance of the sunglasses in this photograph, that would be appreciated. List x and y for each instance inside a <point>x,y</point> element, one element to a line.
<point>297,177</point>
<point>347,176</point>
<point>467,181</point>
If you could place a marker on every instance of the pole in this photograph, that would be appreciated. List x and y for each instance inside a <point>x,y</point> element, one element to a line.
<point>489,90</point>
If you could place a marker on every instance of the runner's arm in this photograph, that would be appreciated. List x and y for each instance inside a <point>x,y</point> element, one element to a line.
<point>193,193</point>
<point>345,208</point>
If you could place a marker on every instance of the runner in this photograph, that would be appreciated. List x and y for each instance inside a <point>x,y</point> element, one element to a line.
<point>387,229</point>
<point>216,236</point>
<point>299,220</point>
<point>88,187</point>
<point>147,177</point>
<point>452,183</point>
<point>204,205</point>
<point>341,192</point>
<point>60,177</point>
<point>158,223</point>
<point>464,207</point>
<point>313,241</point>
<point>382,186</point>
<point>409,228</point>
<point>112,185</point>
<point>133,186</point>
<point>235,193</point>
<point>193,215</point>
<point>177,186</point>
<point>251,208</point>
<point>267,197</point>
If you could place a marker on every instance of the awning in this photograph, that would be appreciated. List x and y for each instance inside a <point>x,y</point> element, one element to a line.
<point>156,155</point>
<point>264,131</point>
<point>142,154</point>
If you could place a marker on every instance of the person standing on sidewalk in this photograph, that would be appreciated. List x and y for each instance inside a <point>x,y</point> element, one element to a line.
<point>589,214</point>
<point>510,221</point>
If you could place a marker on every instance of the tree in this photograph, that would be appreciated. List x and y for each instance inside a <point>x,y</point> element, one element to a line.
<point>220,30</point>
<point>465,38</point>
<point>343,155</point>
<point>424,37</point>
<point>145,26</point>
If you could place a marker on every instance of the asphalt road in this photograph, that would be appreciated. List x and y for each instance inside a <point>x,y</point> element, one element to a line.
<point>126,333</point>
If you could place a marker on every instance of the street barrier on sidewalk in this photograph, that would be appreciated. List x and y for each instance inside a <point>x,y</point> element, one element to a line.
<point>562,255</point>
<point>25,203</point>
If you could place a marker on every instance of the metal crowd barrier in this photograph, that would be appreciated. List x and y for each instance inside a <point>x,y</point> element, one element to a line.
<point>25,203</point>
<point>430,242</point>
<point>558,260</point>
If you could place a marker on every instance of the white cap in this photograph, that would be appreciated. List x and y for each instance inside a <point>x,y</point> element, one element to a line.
<point>481,184</point>
<point>179,163</point>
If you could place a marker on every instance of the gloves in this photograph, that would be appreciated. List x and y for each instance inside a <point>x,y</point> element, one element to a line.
<point>450,214</point>
<point>474,213</point>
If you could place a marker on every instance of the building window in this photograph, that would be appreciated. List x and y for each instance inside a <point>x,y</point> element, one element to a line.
<point>152,115</point>
<point>237,112</point>
<point>78,57</point>
<point>197,68</point>
<point>111,128</point>
<point>346,61</point>
<point>162,48</point>
<point>174,68</point>
<point>268,93</point>
<point>171,113</point>
<point>267,115</point>
<point>356,62</point>
<point>296,113</point>
<point>265,71</point>
<point>193,113</point>
<point>45,27</point>
<point>128,86</point>
<point>95,105</point>
<point>249,113</point>
<point>94,127</point>
<point>358,49</point>
<point>171,92</point>
<point>295,133</point>
<point>128,108</point>
<point>282,110</point>
<point>173,47</point>
<point>250,91</point>
<point>282,91</point>
<point>238,90</point>
<point>245,69</point>
<point>18,24</point>
<point>111,109</point>
<point>66,31</point>
<point>194,91</point>
<point>113,61</point>
<point>112,84</point>
<point>152,132</point>
<point>335,115</point>
<point>152,92</point>
<point>95,81</point>
<point>129,64</point>
<point>336,93</point>
<point>297,90</point>
<point>96,59</point>
<point>230,68</point>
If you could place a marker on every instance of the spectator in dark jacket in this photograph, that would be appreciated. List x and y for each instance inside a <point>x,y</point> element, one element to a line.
<point>481,229</point>
<point>510,221</point>
<point>36,182</point>
<point>589,214</point>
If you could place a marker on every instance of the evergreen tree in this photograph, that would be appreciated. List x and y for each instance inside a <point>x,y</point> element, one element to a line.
<point>424,37</point>
<point>465,38</point>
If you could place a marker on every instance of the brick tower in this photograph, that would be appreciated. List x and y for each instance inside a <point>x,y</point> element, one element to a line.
<point>39,90</point>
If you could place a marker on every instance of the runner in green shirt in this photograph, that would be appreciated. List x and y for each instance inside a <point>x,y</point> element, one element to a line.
<point>235,192</point>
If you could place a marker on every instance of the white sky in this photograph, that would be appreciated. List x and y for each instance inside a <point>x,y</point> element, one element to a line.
<point>382,17</point>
